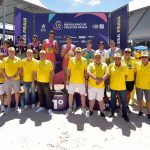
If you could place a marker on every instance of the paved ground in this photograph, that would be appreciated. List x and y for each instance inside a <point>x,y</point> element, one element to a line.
<point>32,131</point>
<point>37,131</point>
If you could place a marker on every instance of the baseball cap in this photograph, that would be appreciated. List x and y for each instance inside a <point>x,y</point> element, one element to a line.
<point>34,36</point>
<point>42,52</point>
<point>101,42</point>
<point>127,50</point>
<point>20,38</point>
<point>117,55</point>
<point>11,49</point>
<point>97,54</point>
<point>78,49</point>
<point>145,54</point>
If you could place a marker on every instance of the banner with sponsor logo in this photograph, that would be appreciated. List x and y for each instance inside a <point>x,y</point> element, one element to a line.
<point>80,26</point>
<point>23,24</point>
<point>119,26</point>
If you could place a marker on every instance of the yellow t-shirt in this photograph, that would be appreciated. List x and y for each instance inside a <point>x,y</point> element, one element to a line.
<point>99,71</point>
<point>43,69</point>
<point>77,69</point>
<point>11,66</point>
<point>1,78</point>
<point>131,68</point>
<point>143,76</point>
<point>117,76</point>
<point>28,69</point>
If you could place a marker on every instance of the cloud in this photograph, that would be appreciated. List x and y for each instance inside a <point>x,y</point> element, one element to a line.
<point>87,2</point>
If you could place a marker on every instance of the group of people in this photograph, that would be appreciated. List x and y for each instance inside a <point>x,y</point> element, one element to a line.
<point>88,71</point>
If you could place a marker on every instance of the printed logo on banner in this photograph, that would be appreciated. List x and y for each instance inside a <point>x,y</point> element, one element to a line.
<point>43,28</point>
<point>58,25</point>
<point>98,26</point>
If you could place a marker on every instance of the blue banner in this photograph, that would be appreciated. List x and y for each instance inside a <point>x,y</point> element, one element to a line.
<point>23,25</point>
<point>119,26</point>
<point>80,26</point>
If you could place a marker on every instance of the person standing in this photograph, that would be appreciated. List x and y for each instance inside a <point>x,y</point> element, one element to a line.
<point>11,68</point>
<point>36,46</point>
<point>98,72</point>
<point>21,48</point>
<point>130,62</point>
<point>44,73</point>
<point>27,71</point>
<point>142,82</point>
<point>88,52</point>
<point>118,72</point>
<point>67,52</point>
<point>2,89</point>
<point>50,45</point>
<point>76,78</point>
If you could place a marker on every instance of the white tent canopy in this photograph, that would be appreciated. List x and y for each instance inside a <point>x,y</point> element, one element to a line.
<point>139,24</point>
<point>34,6</point>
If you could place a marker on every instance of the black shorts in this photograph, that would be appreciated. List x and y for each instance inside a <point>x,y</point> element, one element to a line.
<point>130,85</point>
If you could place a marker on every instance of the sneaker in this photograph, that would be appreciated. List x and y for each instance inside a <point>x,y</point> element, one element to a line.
<point>102,114</point>
<point>111,114</point>
<point>40,109</point>
<point>68,112</point>
<point>2,108</point>
<point>125,117</point>
<point>84,111</point>
<point>140,113</point>
<point>33,106</point>
<point>128,109</point>
<point>26,106</point>
<point>89,113</point>
<point>148,115</point>
<point>18,110</point>
<point>50,113</point>
<point>6,111</point>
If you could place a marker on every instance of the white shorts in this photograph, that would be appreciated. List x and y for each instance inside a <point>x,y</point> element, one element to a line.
<point>2,90</point>
<point>96,93</point>
<point>76,88</point>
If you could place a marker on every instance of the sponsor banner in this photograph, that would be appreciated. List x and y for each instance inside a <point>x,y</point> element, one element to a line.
<point>119,26</point>
<point>80,26</point>
<point>23,25</point>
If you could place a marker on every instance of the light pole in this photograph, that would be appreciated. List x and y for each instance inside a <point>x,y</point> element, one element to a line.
<point>4,18</point>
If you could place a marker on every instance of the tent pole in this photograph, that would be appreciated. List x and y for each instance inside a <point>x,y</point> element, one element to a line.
<point>4,18</point>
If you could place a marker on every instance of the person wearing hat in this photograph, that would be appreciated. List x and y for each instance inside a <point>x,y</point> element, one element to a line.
<point>50,45</point>
<point>27,72</point>
<point>98,72</point>
<point>118,73</point>
<point>142,82</point>
<point>112,50</point>
<point>44,73</point>
<point>104,59</point>
<point>36,46</point>
<point>76,78</point>
<point>104,52</point>
<point>21,48</point>
<point>67,52</point>
<point>130,62</point>
<point>11,68</point>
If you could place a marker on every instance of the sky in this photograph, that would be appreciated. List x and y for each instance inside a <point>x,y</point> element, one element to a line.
<point>84,5</point>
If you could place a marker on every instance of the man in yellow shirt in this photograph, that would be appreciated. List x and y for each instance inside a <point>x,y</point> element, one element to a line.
<point>98,72</point>
<point>2,91</point>
<point>11,66</point>
<point>44,73</point>
<point>118,72</point>
<point>142,82</point>
<point>130,62</point>
<point>76,78</point>
<point>27,71</point>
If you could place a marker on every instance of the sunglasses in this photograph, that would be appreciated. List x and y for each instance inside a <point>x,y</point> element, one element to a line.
<point>144,57</point>
<point>128,52</point>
